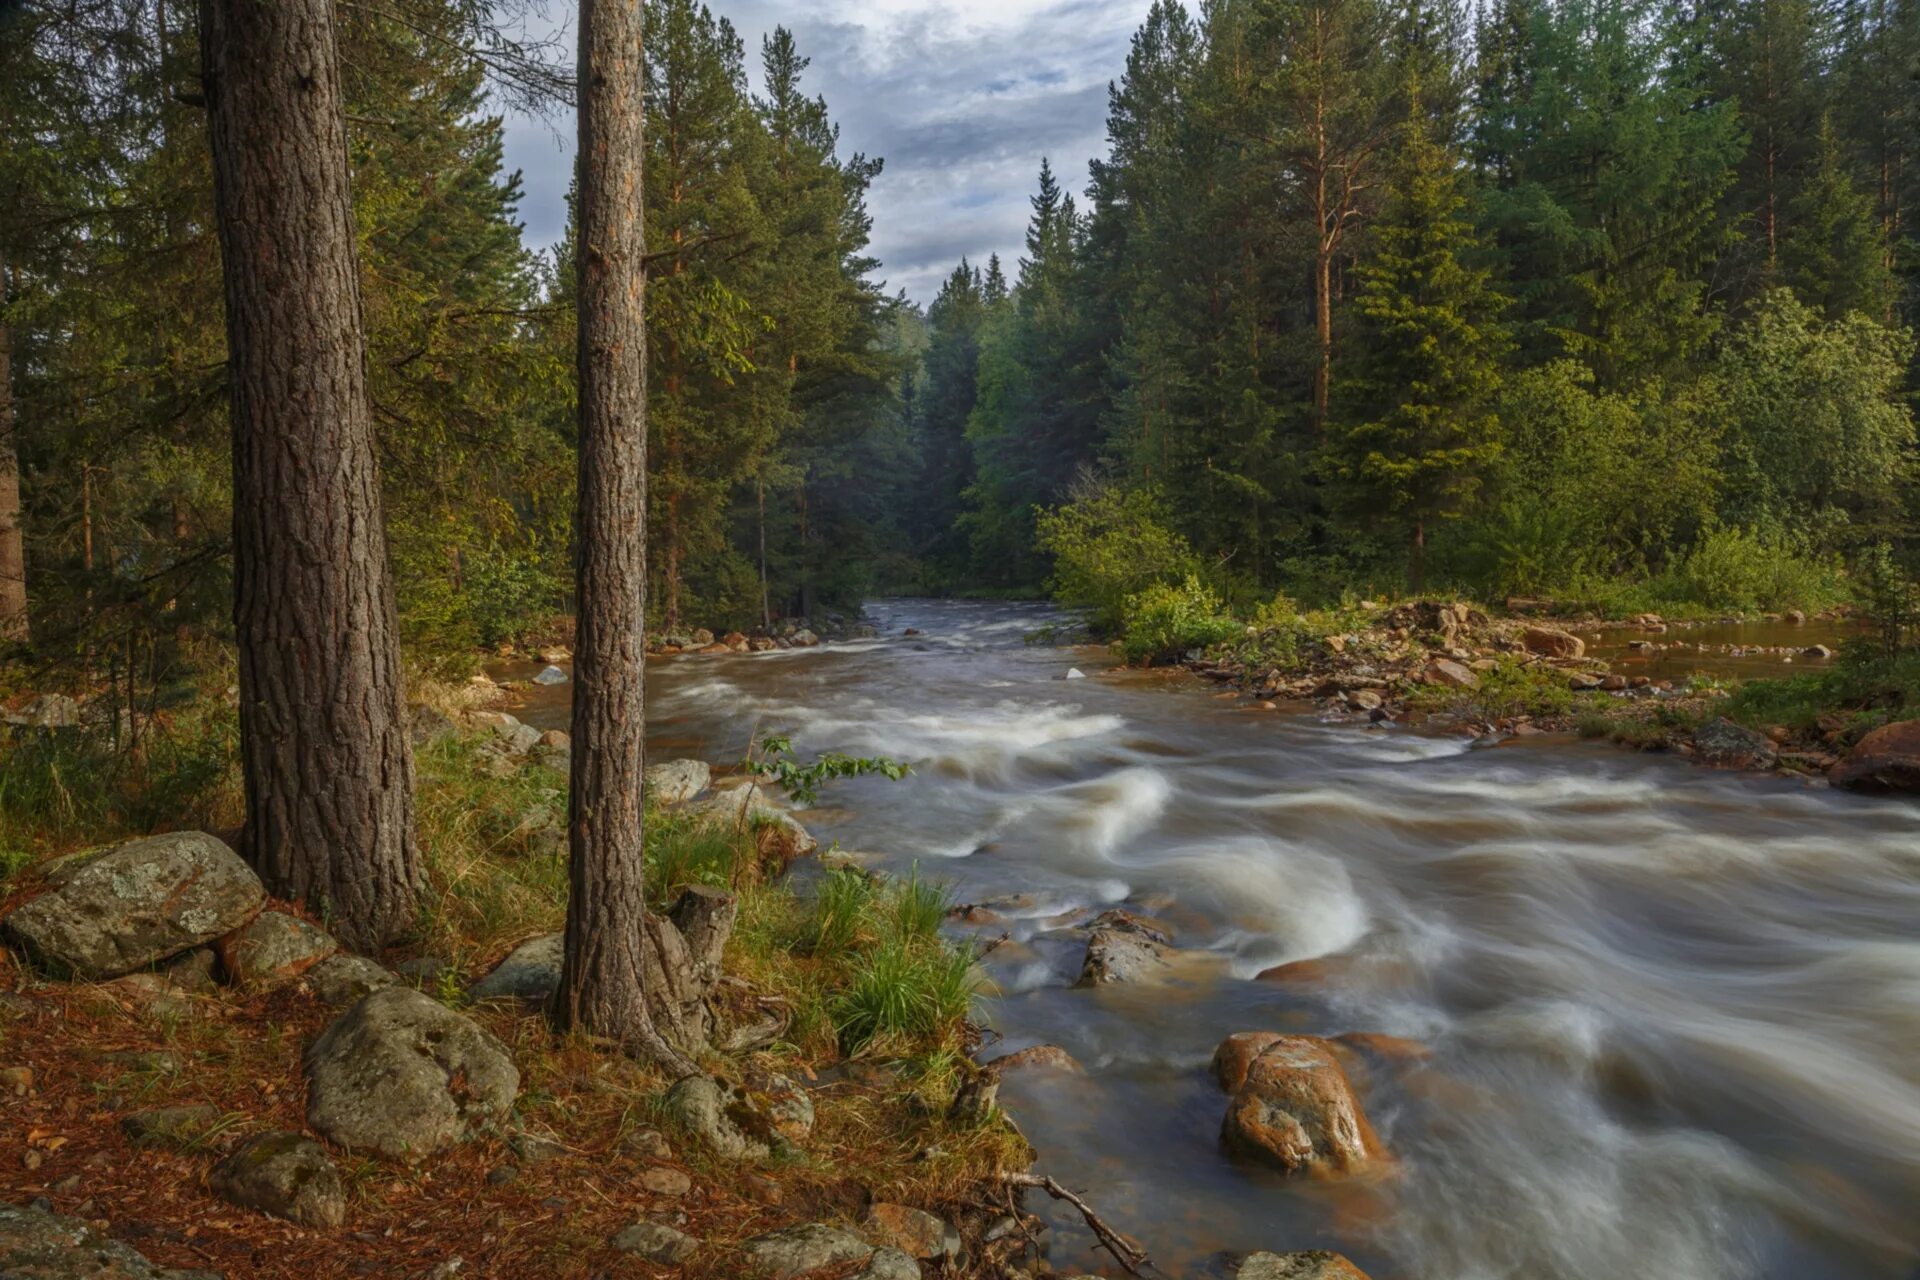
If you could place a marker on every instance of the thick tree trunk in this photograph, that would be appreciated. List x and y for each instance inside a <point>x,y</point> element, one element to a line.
<point>323,729</point>
<point>13,551</point>
<point>627,975</point>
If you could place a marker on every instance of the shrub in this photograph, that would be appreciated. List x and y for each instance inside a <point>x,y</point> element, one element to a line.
<point>1163,621</point>
<point>1740,569</point>
<point>1108,544</point>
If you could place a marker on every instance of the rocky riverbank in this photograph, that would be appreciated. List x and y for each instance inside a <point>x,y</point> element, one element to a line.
<point>1451,667</point>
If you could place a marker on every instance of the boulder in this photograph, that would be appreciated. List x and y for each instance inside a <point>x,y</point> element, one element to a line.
<point>1449,674</point>
<point>287,1175</point>
<point>802,1251</point>
<point>1816,651</point>
<point>1725,745</point>
<point>1235,1056</point>
<point>1296,1109</point>
<point>551,675</point>
<point>38,1245</point>
<point>114,910</point>
<point>914,1232</point>
<point>1585,681</point>
<point>1364,700</point>
<point>785,1105</point>
<point>1551,642</point>
<point>507,731</point>
<point>780,833</point>
<point>272,948</point>
<point>403,1076</point>
<point>888,1264</point>
<point>342,979</point>
<point>677,781</point>
<point>735,642</point>
<point>531,971</point>
<point>803,639</point>
<point>762,644</point>
<point>181,1127</point>
<point>711,1112</point>
<point>1887,760</point>
<point>656,1242</point>
<point>1123,947</point>
<point>1317,1264</point>
<point>701,637</point>
<point>1041,1057</point>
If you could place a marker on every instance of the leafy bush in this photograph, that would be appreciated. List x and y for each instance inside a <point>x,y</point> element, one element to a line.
<point>1163,621</point>
<point>1738,569</point>
<point>802,782</point>
<point>1108,544</point>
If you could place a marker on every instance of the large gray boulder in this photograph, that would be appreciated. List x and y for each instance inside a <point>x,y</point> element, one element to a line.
<point>287,1175</point>
<point>530,972</point>
<point>403,1076</point>
<point>111,911</point>
<point>674,782</point>
<point>37,1245</point>
<point>1725,745</point>
<point>343,979</point>
<point>803,1251</point>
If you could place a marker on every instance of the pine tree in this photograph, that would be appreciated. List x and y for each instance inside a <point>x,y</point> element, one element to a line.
<point>1418,399</point>
<point>1833,255</point>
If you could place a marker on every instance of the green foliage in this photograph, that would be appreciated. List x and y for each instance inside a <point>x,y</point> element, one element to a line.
<point>683,852</point>
<point>802,781</point>
<point>1734,570</point>
<point>840,913</point>
<point>1165,621</point>
<point>1109,544</point>
<point>904,988</point>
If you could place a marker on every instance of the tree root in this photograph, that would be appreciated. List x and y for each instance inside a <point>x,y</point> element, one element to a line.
<point>1128,1252</point>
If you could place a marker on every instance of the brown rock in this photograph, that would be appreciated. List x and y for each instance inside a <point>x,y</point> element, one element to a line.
<point>914,1232</point>
<point>1297,1110</point>
<point>17,1081</point>
<point>1048,1057</point>
<point>1887,760</point>
<point>1551,642</point>
<point>1450,675</point>
<point>1613,684</point>
<point>1236,1054</point>
<point>664,1181</point>
<point>1317,1264</point>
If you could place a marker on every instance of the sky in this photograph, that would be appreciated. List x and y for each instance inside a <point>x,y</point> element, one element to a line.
<point>960,99</point>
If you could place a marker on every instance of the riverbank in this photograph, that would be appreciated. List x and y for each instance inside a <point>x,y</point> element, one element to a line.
<point>1448,666</point>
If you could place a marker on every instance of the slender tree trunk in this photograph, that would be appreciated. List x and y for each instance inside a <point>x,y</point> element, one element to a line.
<point>13,551</point>
<point>323,728</point>
<point>627,975</point>
<point>760,499</point>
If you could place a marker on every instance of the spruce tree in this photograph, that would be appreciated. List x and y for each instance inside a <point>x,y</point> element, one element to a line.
<point>1417,403</point>
<point>1833,255</point>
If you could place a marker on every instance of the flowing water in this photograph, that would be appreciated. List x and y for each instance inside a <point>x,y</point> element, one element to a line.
<point>1673,1015</point>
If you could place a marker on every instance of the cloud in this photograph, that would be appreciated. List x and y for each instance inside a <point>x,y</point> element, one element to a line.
<point>960,99</point>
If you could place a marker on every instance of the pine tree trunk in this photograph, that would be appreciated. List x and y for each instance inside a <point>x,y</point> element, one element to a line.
<point>13,552</point>
<point>323,729</point>
<point>627,975</point>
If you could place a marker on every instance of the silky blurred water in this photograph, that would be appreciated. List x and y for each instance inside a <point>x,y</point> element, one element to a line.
<point>1674,1015</point>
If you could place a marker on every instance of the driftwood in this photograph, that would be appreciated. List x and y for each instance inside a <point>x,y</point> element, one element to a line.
<point>1126,1251</point>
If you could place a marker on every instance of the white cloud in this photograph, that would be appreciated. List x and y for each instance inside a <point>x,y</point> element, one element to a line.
<point>960,100</point>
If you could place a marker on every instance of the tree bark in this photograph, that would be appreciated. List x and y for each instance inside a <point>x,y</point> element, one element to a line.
<point>323,729</point>
<point>627,975</point>
<point>14,627</point>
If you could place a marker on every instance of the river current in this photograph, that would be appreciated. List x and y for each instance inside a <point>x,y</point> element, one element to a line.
<point>1673,1016</point>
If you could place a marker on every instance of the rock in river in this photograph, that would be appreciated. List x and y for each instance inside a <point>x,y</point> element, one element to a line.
<point>402,1075</point>
<point>1315,1265</point>
<point>287,1175</point>
<point>1551,642</point>
<point>1888,759</point>
<point>1294,1107</point>
<point>1123,947</point>
<point>114,910</point>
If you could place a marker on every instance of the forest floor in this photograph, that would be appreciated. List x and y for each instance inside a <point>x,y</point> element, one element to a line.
<point>588,1150</point>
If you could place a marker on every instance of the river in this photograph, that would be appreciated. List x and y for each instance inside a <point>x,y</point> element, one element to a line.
<point>1674,1015</point>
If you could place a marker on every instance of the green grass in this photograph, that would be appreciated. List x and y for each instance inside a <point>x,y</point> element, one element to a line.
<point>918,907</point>
<point>903,988</point>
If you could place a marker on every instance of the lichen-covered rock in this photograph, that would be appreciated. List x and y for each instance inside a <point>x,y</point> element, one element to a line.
<point>287,1175</point>
<point>780,832</point>
<point>1315,1264</point>
<point>887,1263</point>
<point>272,948</point>
<point>530,972</point>
<point>181,1126</point>
<point>785,1105</point>
<point>912,1231</point>
<point>1722,743</point>
<point>1039,1057</point>
<point>1887,760</point>
<point>1123,947</point>
<point>656,1242</point>
<point>711,1113</point>
<point>1295,1109</point>
<point>403,1076</point>
<point>343,979</point>
<point>799,1252</point>
<point>677,781</point>
<point>114,910</point>
<point>37,1245</point>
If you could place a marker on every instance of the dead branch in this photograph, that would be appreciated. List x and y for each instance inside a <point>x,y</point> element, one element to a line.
<point>1126,1251</point>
